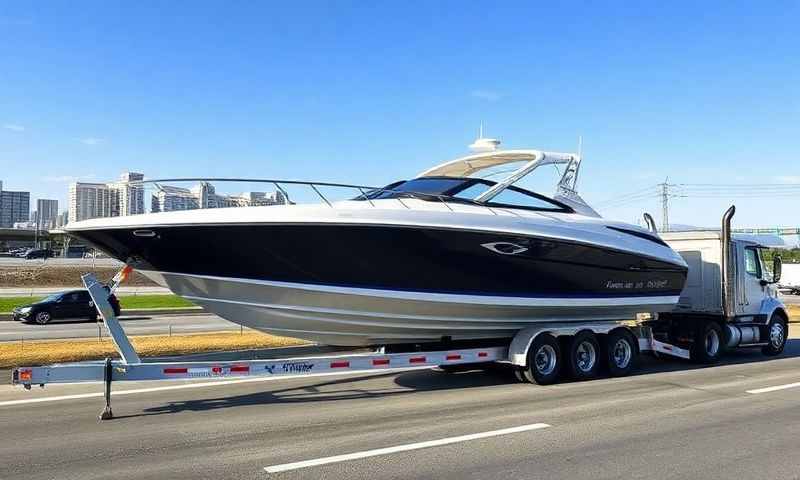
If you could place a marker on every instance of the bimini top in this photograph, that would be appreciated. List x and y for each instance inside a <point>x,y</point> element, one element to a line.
<point>488,157</point>
<point>469,165</point>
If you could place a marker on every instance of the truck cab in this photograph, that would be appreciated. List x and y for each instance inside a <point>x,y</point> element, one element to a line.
<point>729,293</point>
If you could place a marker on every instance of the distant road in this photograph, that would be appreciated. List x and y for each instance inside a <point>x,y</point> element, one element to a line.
<point>21,262</point>
<point>134,325</point>
<point>42,291</point>
<point>791,299</point>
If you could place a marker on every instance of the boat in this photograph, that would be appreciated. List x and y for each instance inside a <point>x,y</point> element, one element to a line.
<point>448,255</point>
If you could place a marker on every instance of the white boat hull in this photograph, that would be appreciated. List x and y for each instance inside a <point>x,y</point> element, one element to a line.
<point>360,316</point>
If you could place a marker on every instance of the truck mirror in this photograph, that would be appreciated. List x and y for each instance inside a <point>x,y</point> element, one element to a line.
<point>777,265</point>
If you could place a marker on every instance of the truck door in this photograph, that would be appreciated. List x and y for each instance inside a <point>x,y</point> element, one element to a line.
<point>753,274</point>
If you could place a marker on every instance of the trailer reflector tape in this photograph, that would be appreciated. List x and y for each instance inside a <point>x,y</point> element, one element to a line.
<point>416,360</point>
<point>240,369</point>
<point>340,364</point>
<point>453,357</point>
<point>216,370</point>
<point>380,361</point>
<point>483,354</point>
<point>25,375</point>
<point>173,371</point>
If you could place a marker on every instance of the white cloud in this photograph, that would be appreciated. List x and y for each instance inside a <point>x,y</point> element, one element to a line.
<point>788,179</point>
<point>92,141</point>
<point>14,128</point>
<point>488,95</point>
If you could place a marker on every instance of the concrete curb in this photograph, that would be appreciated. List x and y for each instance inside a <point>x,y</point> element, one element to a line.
<point>6,316</point>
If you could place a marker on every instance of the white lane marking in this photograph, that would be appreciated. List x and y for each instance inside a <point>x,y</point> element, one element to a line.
<point>215,383</point>
<point>402,448</point>
<point>774,389</point>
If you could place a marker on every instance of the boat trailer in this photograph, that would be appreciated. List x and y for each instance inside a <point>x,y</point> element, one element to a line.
<point>131,368</point>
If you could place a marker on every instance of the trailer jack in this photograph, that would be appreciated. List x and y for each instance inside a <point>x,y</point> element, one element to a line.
<point>107,414</point>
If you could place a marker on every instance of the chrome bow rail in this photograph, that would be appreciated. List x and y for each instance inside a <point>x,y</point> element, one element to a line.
<point>365,193</point>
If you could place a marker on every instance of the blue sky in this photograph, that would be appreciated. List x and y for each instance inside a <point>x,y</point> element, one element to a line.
<point>371,92</point>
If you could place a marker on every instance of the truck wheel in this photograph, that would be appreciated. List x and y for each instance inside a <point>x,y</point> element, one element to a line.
<point>777,332</point>
<point>621,351</point>
<point>544,360</point>
<point>583,355</point>
<point>707,346</point>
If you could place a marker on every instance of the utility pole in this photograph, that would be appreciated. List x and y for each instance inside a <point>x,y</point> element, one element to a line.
<point>665,206</point>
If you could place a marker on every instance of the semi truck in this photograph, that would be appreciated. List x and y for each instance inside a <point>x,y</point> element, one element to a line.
<point>730,301</point>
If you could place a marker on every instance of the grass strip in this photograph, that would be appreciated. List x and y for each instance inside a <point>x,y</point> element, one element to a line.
<point>7,304</point>
<point>32,353</point>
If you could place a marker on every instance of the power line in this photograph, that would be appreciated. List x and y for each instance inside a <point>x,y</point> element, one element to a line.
<point>666,191</point>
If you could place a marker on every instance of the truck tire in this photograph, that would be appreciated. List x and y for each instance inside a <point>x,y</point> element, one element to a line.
<point>583,355</point>
<point>621,351</point>
<point>544,360</point>
<point>708,343</point>
<point>777,333</point>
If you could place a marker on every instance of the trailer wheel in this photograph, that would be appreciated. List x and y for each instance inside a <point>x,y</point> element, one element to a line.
<point>708,345</point>
<point>621,350</point>
<point>544,360</point>
<point>583,355</point>
<point>777,332</point>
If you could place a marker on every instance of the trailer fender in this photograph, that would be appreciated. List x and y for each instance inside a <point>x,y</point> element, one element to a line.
<point>521,343</point>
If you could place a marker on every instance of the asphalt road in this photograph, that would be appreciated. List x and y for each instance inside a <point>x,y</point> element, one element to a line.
<point>133,325</point>
<point>672,421</point>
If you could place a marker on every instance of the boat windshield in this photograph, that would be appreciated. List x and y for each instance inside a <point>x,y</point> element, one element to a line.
<point>467,190</point>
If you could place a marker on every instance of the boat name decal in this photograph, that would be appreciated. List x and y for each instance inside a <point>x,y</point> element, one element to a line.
<point>616,285</point>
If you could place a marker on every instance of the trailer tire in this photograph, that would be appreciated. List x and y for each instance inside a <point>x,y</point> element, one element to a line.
<point>621,351</point>
<point>777,333</point>
<point>708,343</point>
<point>583,356</point>
<point>544,360</point>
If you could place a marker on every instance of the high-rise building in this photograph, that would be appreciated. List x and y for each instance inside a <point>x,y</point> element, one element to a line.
<point>92,200</point>
<point>204,195</point>
<point>167,199</point>
<point>89,200</point>
<point>14,207</point>
<point>62,219</point>
<point>127,198</point>
<point>46,214</point>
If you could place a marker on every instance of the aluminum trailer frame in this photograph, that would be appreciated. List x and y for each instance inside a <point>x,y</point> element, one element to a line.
<point>131,368</point>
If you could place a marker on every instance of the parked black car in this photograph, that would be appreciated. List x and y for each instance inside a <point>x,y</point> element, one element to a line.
<point>37,253</point>
<point>70,304</point>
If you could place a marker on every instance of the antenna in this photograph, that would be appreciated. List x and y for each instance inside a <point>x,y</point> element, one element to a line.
<point>480,130</point>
